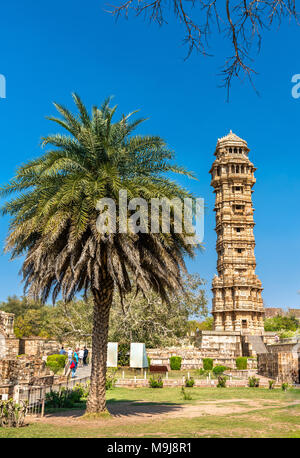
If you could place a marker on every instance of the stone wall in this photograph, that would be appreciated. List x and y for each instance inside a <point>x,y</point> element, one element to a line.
<point>192,358</point>
<point>282,362</point>
<point>220,344</point>
<point>38,346</point>
<point>24,370</point>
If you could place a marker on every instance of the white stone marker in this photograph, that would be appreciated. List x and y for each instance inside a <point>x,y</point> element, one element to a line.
<point>138,356</point>
<point>112,354</point>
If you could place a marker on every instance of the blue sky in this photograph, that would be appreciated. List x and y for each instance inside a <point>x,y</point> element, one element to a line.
<point>49,49</point>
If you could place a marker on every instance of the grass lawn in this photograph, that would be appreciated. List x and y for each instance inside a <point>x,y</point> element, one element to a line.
<point>145,412</point>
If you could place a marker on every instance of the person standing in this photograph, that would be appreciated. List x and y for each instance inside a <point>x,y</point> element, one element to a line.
<point>70,355</point>
<point>80,355</point>
<point>62,351</point>
<point>85,355</point>
<point>76,357</point>
<point>73,367</point>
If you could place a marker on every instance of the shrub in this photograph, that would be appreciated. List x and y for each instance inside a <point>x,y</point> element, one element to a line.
<point>221,382</point>
<point>208,364</point>
<point>203,372</point>
<point>284,386</point>
<point>190,382</point>
<point>271,384</point>
<point>83,390</point>
<point>186,396</point>
<point>12,415</point>
<point>149,361</point>
<point>56,362</point>
<point>175,363</point>
<point>156,382</point>
<point>110,380</point>
<point>123,355</point>
<point>63,398</point>
<point>253,382</point>
<point>218,370</point>
<point>241,363</point>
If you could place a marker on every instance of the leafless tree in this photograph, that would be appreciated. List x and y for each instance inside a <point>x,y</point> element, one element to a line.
<point>241,22</point>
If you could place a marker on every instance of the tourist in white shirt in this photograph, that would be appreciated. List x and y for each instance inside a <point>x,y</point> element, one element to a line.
<point>80,356</point>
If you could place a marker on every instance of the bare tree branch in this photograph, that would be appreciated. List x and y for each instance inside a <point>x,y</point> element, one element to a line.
<point>242,22</point>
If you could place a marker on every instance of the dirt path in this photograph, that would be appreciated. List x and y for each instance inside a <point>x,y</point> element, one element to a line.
<point>125,412</point>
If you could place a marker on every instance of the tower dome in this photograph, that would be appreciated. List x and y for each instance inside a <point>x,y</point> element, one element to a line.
<point>231,139</point>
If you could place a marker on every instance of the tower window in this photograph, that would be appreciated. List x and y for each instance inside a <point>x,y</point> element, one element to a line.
<point>239,250</point>
<point>238,208</point>
<point>237,189</point>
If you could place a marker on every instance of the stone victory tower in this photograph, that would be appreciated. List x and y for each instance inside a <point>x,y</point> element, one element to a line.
<point>237,302</point>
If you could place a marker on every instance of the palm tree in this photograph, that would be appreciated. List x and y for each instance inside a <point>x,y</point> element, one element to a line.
<point>53,220</point>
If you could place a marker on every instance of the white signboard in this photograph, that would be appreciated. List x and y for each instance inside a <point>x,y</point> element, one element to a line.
<point>138,355</point>
<point>112,354</point>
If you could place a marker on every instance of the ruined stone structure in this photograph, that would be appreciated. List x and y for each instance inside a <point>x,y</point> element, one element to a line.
<point>10,346</point>
<point>23,371</point>
<point>237,302</point>
<point>282,361</point>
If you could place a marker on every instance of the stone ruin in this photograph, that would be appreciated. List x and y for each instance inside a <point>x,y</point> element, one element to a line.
<point>282,361</point>
<point>23,371</point>
<point>21,361</point>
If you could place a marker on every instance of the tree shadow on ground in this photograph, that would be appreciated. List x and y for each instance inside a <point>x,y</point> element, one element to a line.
<point>123,408</point>
<point>138,408</point>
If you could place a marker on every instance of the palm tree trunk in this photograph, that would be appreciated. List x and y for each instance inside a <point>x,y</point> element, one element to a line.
<point>102,302</point>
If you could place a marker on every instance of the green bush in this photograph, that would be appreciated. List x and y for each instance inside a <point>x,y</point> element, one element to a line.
<point>241,363</point>
<point>64,398</point>
<point>271,384</point>
<point>218,370</point>
<point>190,382</point>
<point>149,361</point>
<point>203,372</point>
<point>208,364</point>
<point>186,396</point>
<point>156,382</point>
<point>175,363</point>
<point>56,362</point>
<point>253,382</point>
<point>12,415</point>
<point>123,355</point>
<point>284,386</point>
<point>221,382</point>
<point>110,380</point>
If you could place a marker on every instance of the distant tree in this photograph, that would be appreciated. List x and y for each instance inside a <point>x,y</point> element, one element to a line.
<point>72,321</point>
<point>281,323</point>
<point>148,319</point>
<point>241,22</point>
<point>31,317</point>
<point>19,305</point>
<point>207,324</point>
<point>137,318</point>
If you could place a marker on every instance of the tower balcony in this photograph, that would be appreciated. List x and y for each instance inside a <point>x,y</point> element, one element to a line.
<point>237,260</point>
<point>236,238</point>
<point>245,178</point>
